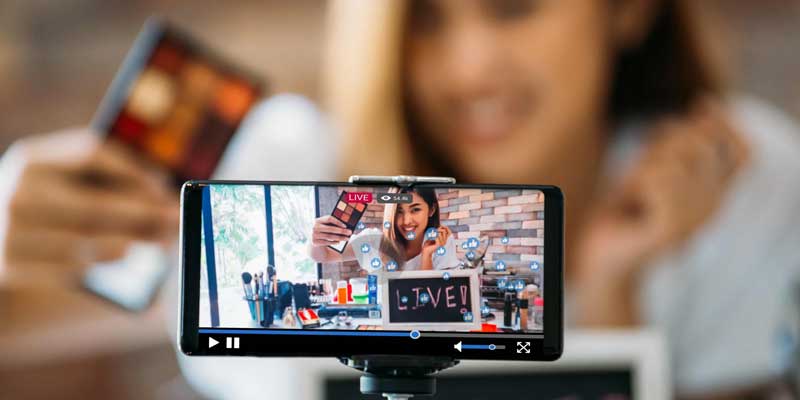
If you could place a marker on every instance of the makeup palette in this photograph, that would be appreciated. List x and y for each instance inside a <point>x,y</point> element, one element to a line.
<point>176,103</point>
<point>347,213</point>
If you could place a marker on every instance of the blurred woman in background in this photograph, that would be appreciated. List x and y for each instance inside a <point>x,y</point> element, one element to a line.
<point>681,199</point>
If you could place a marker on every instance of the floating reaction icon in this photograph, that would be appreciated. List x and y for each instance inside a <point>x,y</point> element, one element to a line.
<point>375,263</point>
<point>431,234</point>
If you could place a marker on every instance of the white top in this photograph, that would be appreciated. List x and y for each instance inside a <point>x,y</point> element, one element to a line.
<point>718,300</point>
<point>371,237</point>
<point>722,299</point>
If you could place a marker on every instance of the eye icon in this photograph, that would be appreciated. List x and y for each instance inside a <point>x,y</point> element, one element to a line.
<point>386,197</point>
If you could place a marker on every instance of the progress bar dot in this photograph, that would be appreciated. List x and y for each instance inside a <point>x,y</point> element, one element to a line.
<point>414,334</point>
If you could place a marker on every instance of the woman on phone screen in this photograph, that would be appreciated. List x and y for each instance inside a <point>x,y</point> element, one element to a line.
<point>411,238</point>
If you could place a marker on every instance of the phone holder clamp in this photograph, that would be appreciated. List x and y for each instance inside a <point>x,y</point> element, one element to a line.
<point>398,377</point>
<point>400,180</point>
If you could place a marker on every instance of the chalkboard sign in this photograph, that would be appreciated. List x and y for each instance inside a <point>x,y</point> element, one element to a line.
<point>431,300</point>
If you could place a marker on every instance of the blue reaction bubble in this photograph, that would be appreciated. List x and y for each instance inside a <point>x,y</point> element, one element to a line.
<point>504,240</point>
<point>373,288</point>
<point>534,265</point>
<point>473,243</point>
<point>387,224</point>
<point>360,225</point>
<point>501,283</point>
<point>500,265</point>
<point>519,285</point>
<point>431,234</point>
<point>411,235</point>
<point>424,298</point>
<point>391,265</point>
<point>470,255</point>
<point>404,299</point>
<point>375,263</point>
<point>464,245</point>
<point>440,251</point>
<point>365,248</point>
<point>468,316</point>
<point>485,310</point>
<point>446,276</point>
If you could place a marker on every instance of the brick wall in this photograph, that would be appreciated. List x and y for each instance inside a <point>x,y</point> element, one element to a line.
<point>492,215</point>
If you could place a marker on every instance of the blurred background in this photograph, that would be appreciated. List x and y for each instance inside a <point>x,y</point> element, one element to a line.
<point>58,58</point>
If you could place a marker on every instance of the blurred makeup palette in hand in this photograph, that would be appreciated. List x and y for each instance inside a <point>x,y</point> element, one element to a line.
<point>176,102</point>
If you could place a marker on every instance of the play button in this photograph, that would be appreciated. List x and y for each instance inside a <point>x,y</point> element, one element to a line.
<point>212,342</point>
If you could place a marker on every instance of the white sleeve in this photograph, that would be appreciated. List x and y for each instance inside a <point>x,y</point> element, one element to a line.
<point>450,258</point>
<point>371,237</point>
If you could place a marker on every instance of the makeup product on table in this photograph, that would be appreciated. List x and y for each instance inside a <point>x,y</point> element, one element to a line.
<point>508,300</point>
<point>359,291</point>
<point>372,289</point>
<point>349,214</point>
<point>308,318</point>
<point>272,281</point>
<point>523,321</point>
<point>341,292</point>
<point>289,320</point>
<point>301,296</point>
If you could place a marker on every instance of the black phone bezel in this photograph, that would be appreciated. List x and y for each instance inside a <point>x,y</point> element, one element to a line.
<point>547,348</point>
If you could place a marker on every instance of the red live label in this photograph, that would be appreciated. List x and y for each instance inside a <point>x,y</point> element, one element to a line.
<point>359,197</point>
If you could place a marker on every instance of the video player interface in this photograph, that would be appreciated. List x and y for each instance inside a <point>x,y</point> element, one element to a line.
<point>372,260</point>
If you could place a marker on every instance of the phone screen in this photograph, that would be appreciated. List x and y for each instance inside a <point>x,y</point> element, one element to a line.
<point>454,263</point>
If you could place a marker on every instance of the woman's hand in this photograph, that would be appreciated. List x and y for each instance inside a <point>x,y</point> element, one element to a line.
<point>676,187</point>
<point>429,246</point>
<point>78,200</point>
<point>329,230</point>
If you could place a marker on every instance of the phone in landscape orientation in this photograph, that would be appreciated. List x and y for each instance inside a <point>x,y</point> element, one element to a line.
<point>177,104</point>
<point>345,269</point>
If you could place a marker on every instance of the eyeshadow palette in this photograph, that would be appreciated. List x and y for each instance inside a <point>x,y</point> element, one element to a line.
<point>349,214</point>
<point>176,102</point>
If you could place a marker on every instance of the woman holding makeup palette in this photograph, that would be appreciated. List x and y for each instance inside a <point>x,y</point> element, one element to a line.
<point>412,237</point>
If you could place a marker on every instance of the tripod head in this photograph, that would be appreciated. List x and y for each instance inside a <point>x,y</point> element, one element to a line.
<point>398,377</point>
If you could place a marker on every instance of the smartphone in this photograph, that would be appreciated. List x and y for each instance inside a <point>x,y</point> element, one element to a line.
<point>456,270</point>
<point>177,104</point>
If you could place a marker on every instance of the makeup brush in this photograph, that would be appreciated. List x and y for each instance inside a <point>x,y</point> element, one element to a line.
<point>246,279</point>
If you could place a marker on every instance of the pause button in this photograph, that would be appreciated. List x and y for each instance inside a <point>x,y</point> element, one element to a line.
<point>232,343</point>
